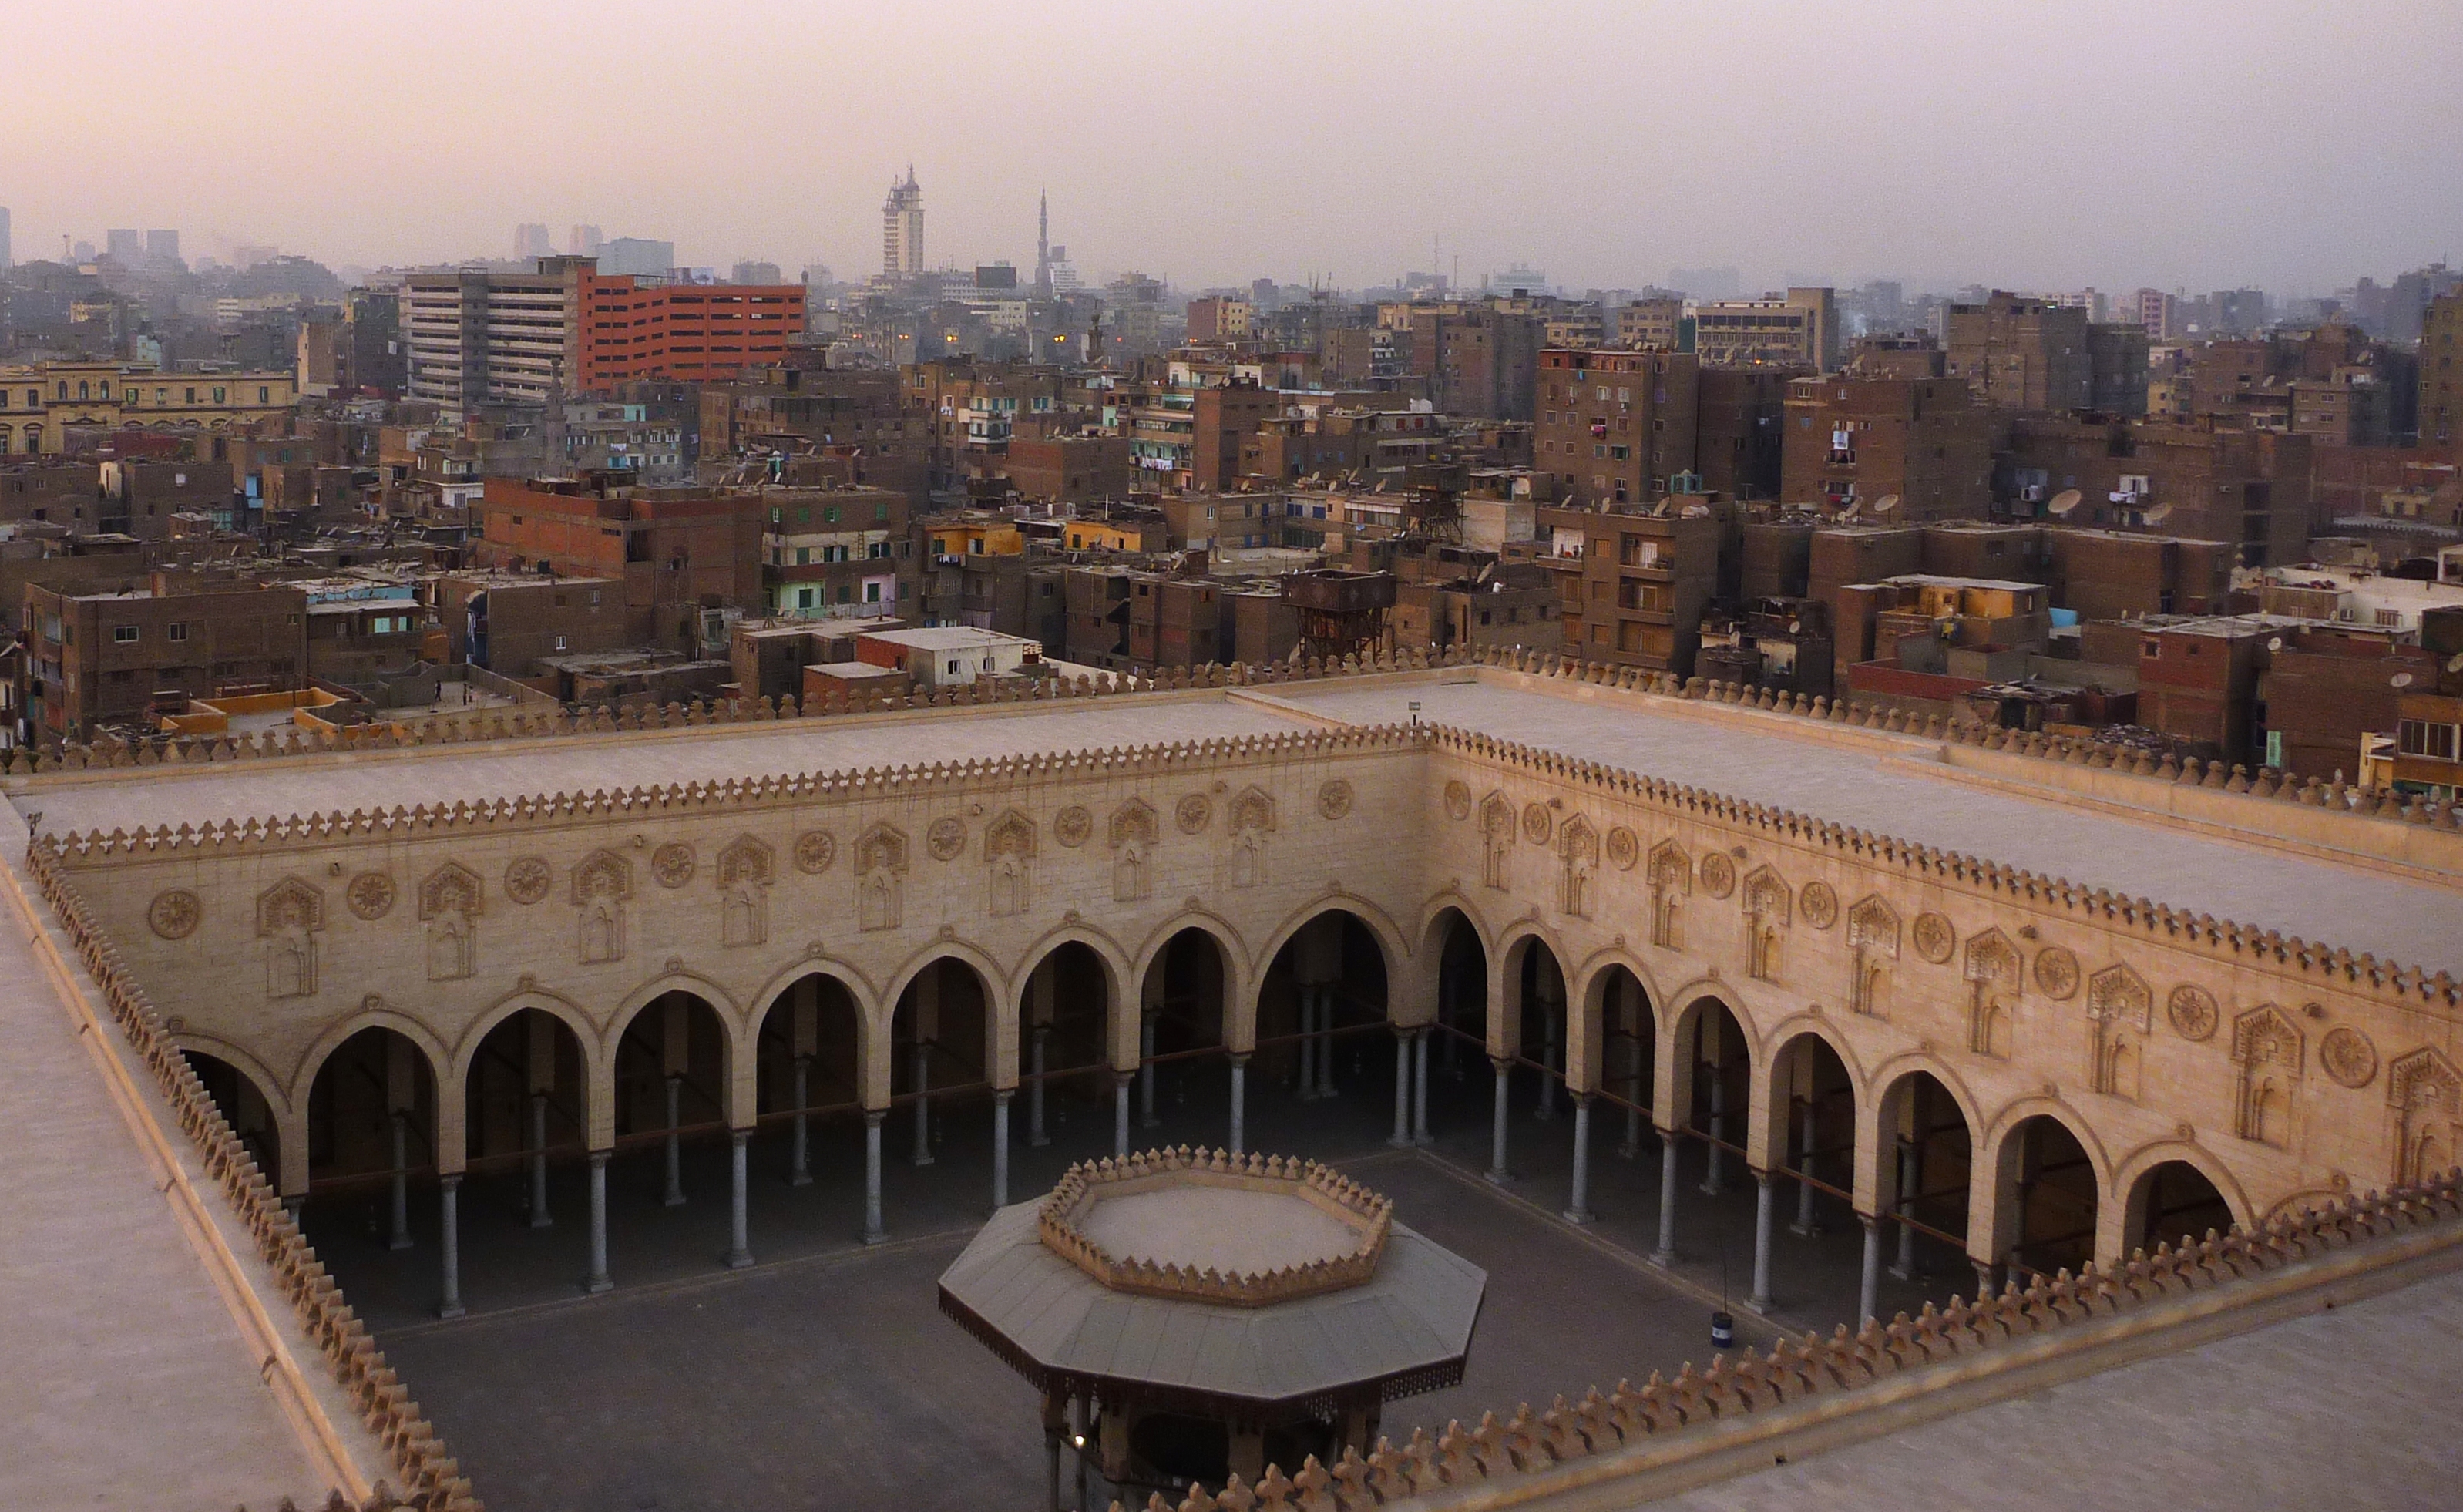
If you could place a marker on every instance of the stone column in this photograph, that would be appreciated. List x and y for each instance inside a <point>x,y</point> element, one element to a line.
<point>1711,1182</point>
<point>1666,1254</point>
<point>1579,1211</point>
<point>799,1166</point>
<point>873,1232</point>
<point>675,1197</point>
<point>1420,1086</point>
<point>1983,1279</point>
<point>1910,1173</point>
<point>1035,1135</point>
<point>1400,1138</point>
<point>1307,1091</point>
<point>540,1217</point>
<point>449,1215</point>
<point>1804,1223</point>
<point>1325,1041</point>
<point>1146,1118</point>
<point>400,1239</point>
<point>739,1249</point>
<point>596,1280</point>
<point>1632,1145</point>
<point>1239,1103</point>
<point>923,1103</point>
<point>1870,1289</point>
<point>1496,1170</point>
<point>1760,1300</point>
<point>1000,1148</point>
<point>1121,1081</point>
<point>1550,1039</point>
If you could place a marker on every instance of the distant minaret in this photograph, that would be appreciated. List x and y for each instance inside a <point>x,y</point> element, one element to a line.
<point>1043,245</point>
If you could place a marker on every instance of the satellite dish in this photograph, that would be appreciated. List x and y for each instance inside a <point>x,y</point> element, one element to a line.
<point>2454,662</point>
<point>2158,515</point>
<point>2066,500</point>
<point>2401,679</point>
<point>1885,503</point>
<point>2275,643</point>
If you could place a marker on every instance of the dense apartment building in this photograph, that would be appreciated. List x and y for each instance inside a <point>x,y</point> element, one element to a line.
<point>2018,353</point>
<point>1219,317</point>
<point>1617,428</point>
<point>1740,429</point>
<point>2250,487</point>
<point>1799,329</point>
<point>1478,362</point>
<point>1925,443</point>
<point>2441,374</point>
<point>41,403</point>
<point>835,552</point>
<point>1631,587</point>
<point>675,550</point>
<point>476,337</point>
<point>102,652</point>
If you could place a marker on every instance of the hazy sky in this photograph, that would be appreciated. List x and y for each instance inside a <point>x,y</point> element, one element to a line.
<point>2037,146</point>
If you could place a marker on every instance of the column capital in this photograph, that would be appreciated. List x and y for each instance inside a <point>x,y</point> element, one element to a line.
<point>872,1117</point>
<point>598,1158</point>
<point>738,1137</point>
<point>1502,1063</point>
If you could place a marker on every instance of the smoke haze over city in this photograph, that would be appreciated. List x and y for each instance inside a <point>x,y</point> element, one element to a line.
<point>2104,145</point>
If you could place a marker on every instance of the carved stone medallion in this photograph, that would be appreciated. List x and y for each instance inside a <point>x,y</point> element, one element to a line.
<point>1536,822</point>
<point>2347,1056</point>
<point>1718,874</point>
<point>370,895</point>
<point>1458,798</point>
<point>1193,813</point>
<point>175,915</point>
<point>672,863</point>
<point>1073,825</point>
<point>2193,1011</point>
<point>814,850</point>
<point>1625,848</point>
<point>946,838</point>
<point>1818,905</point>
<point>527,880</point>
<point>2057,972</point>
<point>1334,800</point>
<point>1934,938</point>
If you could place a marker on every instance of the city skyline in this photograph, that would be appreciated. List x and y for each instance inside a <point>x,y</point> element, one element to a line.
<point>2097,171</point>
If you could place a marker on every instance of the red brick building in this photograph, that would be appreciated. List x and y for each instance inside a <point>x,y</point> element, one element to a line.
<point>1860,441</point>
<point>676,550</point>
<point>1614,427</point>
<point>685,331</point>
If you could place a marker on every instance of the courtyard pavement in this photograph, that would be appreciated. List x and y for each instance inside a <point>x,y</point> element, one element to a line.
<point>824,1377</point>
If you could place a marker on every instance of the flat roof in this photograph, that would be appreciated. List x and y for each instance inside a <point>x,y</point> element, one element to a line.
<point>947,638</point>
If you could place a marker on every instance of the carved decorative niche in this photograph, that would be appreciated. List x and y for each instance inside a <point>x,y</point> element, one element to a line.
<point>528,880</point>
<point>1074,825</point>
<point>2425,1109</point>
<point>1497,827</point>
<point>1253,820</point>
<point>1671,883</point>
<point>2348,1056</point>
<point>2120,1013</point>
<point>370,895</point>
<point>1536,822</point>
<point>174,915</point>
<point>674,864</point>
<point>1934,939</point>
<point>1577,854</point>
<point>1457,799</point>
<point>2193,1011</point>
<point>603,886</point>
<point>2266,1052</point>
<point>880,877</point>
<point>1766,905</point>
<point>1132,833</point>
<point>1873,952</point>
<point>450,903</point>
<point>1996,978</point>
<point>816,849</point>
<point>746,868</point>
<point>1009,863</point>
<point>1818,905</point>
<point>1334,799</point>
<point>946,838</point>
<point>290,916</point>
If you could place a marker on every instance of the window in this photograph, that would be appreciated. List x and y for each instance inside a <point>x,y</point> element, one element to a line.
<point>264,395</point>
<point>123,634</point>
<point>2149,648</point>
<point>218,393</point>
<point>559,642</point>
<point>179,631</point>
<point>2419,737</point>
